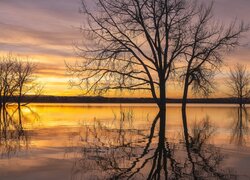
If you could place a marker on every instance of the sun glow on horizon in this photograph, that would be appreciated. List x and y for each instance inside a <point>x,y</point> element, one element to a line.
<point>46,31</point>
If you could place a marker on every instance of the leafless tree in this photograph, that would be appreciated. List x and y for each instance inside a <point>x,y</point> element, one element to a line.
<point>25,80</point>
<point>17,79</point>
<point>239,83</point>
<point>7,79</point>
<point>137,44</point>
<point>210,41</point>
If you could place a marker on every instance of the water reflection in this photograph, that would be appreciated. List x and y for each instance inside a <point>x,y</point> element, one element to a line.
<point>13,137</point>
<point>205,161</point>
<point>122,152</point>
<point>240,126</point>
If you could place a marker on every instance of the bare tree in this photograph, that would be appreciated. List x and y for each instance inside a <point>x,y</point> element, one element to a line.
<point>7,78</point>
<point>25,79</point>
<point>239,83</point>
<point>17,79</point>
<point>136,44</point>
<point>210,41</point>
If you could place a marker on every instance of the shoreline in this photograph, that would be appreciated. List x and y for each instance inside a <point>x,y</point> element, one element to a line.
<point>108,100</point>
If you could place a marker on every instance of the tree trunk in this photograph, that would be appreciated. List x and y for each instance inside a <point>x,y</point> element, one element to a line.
<point>185,95</point>
<point>185,126</point>
<point>187,143</point>
<point>162,126</point>
<point>240,128</point>
<point>162,106</point>
<point>161,144</point>
<point>19,102</point>
<point>162,102</point>
<point>184,106</point>
<point>19,116</point>
<point>19,98</point>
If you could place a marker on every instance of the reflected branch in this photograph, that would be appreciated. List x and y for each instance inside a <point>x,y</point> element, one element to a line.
<point>240,126</point>
<point>13,137</point>
<point>137,155</point>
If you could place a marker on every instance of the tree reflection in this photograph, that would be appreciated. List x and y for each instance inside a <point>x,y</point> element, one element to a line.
<point>13,137</point>
<point>240,126</point>
<point>204,160</point>
<point>143,154</point>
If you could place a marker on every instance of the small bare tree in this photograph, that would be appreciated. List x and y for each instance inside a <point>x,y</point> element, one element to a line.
<point>25,80</point>
<point>137,44</point>
<point>239,83</point>
<point>7,79</point>
<point>17,79</point>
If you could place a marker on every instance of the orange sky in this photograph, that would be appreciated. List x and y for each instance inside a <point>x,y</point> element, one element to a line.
<point>46,31</point>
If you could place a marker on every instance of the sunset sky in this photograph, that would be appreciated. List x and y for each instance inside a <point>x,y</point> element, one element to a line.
<point>46,31</point>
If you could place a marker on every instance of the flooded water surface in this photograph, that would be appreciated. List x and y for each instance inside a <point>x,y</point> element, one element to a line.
<point>111,141</point>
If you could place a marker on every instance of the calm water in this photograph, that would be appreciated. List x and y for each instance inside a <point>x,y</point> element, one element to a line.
<point>91,141</point>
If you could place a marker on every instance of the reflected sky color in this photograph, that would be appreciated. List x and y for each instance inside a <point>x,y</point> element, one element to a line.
<point>48,118</point>
<point>47,30</point>
<point>55,139</point>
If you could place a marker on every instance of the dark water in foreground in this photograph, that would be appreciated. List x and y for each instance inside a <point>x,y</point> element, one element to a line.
<point>91,141</point>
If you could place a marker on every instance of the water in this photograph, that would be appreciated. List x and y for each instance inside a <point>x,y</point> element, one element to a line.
<point>95,141</point>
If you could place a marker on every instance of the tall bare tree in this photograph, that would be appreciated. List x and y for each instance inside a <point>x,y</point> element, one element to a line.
<point>239,83</point>
<point>136,44</point>
<point>209,41</point>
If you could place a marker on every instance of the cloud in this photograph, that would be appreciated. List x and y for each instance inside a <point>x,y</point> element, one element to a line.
<point>36,23</point>
<point>47,30</point>
<point>51,70</point>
